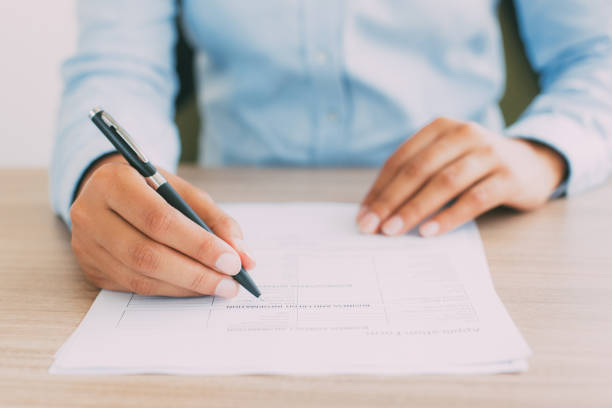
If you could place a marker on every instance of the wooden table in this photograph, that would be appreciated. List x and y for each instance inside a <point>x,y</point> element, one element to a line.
<point>552,268</point>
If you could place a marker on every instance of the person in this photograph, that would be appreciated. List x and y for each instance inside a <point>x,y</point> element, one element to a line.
<point>412,86</point>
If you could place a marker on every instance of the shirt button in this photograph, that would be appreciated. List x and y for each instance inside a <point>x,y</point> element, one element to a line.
<point>332,116</point>
<point>322,57</point>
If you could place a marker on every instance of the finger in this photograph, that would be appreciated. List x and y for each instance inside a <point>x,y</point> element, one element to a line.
<point>147,257</point>
<point>406,151</point>
<point>443,187</point>
<point>118,276</point>
<point>100,280</point>
<point>142,207</point>
<point>105,272</point>
<point>488,194</point>
<point>95,276</point>
<point>88,261</point>
<point>222,224</point>
<point>415,173</point>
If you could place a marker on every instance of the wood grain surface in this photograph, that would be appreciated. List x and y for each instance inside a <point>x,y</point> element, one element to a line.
<point>552,269</point>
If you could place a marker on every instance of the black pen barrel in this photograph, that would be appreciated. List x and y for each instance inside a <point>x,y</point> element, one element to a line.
<point>174,199</point>
<point>145,168</point>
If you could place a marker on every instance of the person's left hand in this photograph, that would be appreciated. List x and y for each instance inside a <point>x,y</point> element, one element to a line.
<point>449,160</point>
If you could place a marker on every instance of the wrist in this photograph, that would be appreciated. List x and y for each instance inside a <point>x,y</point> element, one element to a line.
<point>96,164</point>
<point>553,161</point>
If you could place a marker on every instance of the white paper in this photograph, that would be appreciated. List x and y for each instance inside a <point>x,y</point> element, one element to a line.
<point>335,302</point>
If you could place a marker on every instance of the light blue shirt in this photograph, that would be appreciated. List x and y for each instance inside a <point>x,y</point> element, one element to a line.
<point>332,82</point>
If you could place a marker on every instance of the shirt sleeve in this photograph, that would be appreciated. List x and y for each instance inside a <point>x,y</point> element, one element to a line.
<point>569,44</point>
<point>124,63</point>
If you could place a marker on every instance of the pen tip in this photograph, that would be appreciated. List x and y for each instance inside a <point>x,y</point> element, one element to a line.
<point>260,298</point>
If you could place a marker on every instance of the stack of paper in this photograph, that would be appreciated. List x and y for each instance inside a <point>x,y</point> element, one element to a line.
<point>335,302</point>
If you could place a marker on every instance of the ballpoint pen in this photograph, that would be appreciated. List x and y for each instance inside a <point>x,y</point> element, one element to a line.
<point>136,158</point>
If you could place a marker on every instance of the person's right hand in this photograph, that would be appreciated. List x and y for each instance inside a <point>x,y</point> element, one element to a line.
<point>127,238</point>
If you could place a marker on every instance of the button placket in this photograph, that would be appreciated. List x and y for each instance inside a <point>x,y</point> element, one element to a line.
<point>324,53</point>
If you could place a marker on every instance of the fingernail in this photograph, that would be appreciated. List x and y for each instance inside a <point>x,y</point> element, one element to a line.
<point>243,247</point>
<point>228,263</point>
<point>362,210</point>
<point>393,226</point>
<point>369,223</point>
<point>227,288</point>
<point>430,228</point>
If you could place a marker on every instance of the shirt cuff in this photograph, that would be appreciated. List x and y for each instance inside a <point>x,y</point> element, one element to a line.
<point>64,180</point>
<point>74,156</point>
<point>584,153</point>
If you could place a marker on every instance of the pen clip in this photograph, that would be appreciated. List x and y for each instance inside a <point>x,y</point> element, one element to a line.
<point>111,123</point>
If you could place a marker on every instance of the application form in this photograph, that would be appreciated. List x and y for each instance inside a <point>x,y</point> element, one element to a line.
<point>335,301</point>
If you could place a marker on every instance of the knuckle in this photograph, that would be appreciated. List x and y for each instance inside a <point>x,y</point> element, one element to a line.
<point>438,121</point>
<point>480,196</point>
<point>468,163</point>
<point>206,247</point>
<point>468,128</point>
<point>507,177</point>
<point>415,210</point>
<point>412,169</point>
<point>488,148</point>
<point>226,222</point>
<point>441,121</point>
<point>449,178</point>
<point>158,222</point>
<point>391,165</point>
<point>142,285</point>
<point>200,283</point>
<point>143,258</point>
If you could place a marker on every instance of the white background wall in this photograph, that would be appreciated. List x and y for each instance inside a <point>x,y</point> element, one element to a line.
<point>35,37</point>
